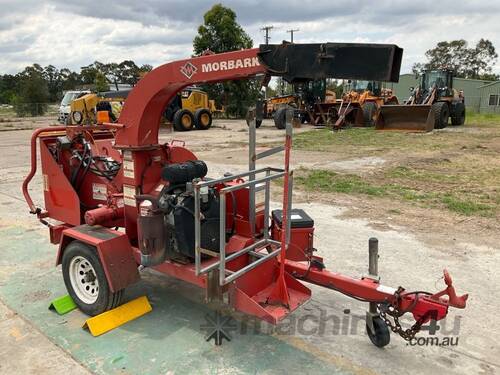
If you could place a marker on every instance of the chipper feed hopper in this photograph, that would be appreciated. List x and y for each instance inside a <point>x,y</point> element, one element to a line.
<point>116,201</point>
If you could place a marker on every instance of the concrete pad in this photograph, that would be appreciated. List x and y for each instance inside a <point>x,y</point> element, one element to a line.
<point>167,340</point>
<point>24,350</point>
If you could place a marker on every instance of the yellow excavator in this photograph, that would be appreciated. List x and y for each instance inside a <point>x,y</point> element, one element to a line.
<point>431,105</point>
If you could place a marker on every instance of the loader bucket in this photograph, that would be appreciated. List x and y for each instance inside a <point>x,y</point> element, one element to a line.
<point>413,118</point>
<point>351,115</point>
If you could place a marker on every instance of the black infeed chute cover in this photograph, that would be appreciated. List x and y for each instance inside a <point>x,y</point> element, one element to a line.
<point>360,61</point>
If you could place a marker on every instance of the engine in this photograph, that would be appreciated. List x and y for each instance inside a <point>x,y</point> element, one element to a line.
<point>166,223</point>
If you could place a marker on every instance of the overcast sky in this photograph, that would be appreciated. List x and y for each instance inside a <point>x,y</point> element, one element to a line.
<point>74,33</point>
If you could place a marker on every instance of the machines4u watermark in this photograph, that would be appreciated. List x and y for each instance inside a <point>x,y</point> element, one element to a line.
<point>219,327</point>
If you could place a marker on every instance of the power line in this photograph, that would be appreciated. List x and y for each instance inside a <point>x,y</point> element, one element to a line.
<point>291,31</point>
<point>266,29</point>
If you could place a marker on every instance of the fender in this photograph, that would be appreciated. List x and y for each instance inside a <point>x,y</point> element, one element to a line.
<point>113,248</point>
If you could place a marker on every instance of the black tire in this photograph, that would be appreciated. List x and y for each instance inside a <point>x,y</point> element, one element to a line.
<point>458,115</point>
<point>304,117</point>
<point>441,115</point>
<point>106,300</point>
<point>202,119</point>
<point>382,335</point>
<point>369,109</point>
<point>280,118</point>
<point>183,120</point>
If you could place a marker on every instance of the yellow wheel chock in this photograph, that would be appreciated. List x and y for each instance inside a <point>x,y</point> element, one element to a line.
<point>102,323</point>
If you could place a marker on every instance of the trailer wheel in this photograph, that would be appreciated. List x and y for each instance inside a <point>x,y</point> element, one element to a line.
<point>280,118</point>
<point>369,109</point>
<point>441,114</point>
<point>203,119</point>
<point>382,335</point>
<point>85,280</point>
<point>183,120</point>
<point>458,115</point>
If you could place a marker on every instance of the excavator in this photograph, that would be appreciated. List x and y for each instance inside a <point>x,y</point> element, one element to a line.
<point>430,105</point>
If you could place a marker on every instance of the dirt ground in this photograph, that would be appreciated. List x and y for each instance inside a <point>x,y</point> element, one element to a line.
<point>417,241</point>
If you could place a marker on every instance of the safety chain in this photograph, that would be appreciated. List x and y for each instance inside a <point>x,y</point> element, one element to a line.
<point>387,310</point>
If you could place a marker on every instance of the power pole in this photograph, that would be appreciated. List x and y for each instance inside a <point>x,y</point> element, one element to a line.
<point>266,29</point>
<point>291,34</point>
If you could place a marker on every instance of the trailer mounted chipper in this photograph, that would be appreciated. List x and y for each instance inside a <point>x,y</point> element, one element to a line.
<point>116,199</point>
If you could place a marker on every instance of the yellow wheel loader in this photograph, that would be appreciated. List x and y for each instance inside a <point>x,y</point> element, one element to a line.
<point>431,105</point>
<point>360,105</point>
<point>189,109</point>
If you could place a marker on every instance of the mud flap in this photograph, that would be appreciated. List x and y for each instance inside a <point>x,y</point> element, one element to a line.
<point>413,118</point>
<point>118,316</point>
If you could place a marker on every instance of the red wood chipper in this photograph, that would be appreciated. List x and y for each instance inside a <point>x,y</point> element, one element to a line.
<point>117,201</point>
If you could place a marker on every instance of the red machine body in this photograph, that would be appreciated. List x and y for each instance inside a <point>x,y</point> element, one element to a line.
<point>95,178</point>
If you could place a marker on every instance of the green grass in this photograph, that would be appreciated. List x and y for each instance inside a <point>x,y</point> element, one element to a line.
<point>467,207</point>
<point>456,170</point>
<point>7,111</point>
<point>332,182</point>
<point>482,119</point>
<point>363,141</point>
<point>325,139</point>
<point>457,201</point>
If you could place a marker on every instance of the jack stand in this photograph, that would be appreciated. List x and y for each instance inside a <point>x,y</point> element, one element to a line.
<point>372,273</point>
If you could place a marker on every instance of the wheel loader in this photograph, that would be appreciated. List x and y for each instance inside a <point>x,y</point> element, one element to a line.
<point>190,109</point>
<point>312,102</point>
<point>431,105</point>
<point>360,105</point>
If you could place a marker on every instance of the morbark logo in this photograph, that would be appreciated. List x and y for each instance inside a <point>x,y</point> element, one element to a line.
<point>188,70</point>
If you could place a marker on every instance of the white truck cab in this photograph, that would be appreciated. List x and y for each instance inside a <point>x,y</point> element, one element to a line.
<point>65,106</point>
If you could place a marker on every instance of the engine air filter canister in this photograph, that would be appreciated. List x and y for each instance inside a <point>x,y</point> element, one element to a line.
<point>180,173</point>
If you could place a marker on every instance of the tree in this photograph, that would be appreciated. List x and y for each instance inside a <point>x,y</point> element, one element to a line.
<point>8,88</point>
<point>31,89</point>
<point>32,93</point>
<point>100,82</point>
<point>70,80</point>
<point>54,82</point>
<point>221,33</point>
<point>475,62</point>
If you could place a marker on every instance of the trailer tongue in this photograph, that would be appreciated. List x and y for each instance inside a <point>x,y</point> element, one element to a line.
<point>213,233</point>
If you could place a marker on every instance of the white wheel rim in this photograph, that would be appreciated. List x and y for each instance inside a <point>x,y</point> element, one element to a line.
<point>83,279</point>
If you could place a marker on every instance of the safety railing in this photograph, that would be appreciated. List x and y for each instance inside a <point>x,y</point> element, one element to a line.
<point>269,174</point>
<point>258,180</point>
